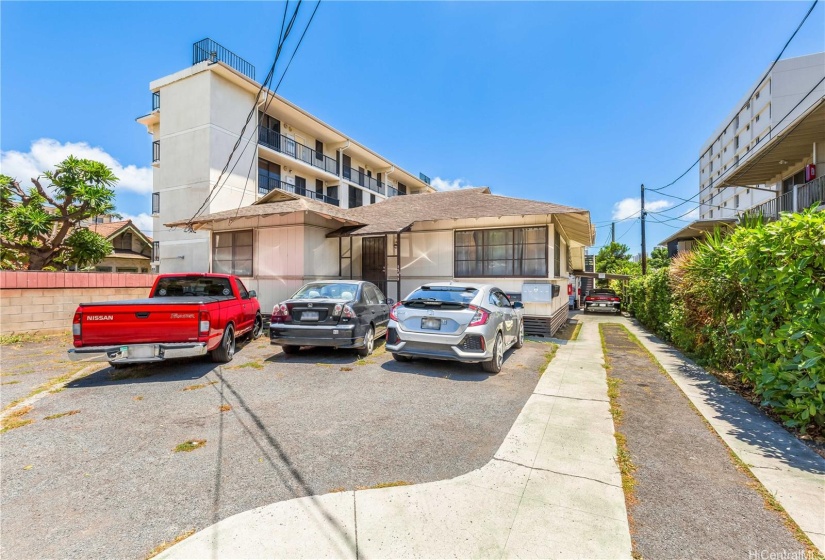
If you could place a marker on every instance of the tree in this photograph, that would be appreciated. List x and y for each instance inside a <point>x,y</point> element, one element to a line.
<point>39,226</point>
<point>612,258</point>
<point>658,258</point>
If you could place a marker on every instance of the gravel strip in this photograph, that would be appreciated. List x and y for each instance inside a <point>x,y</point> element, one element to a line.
<point>106,481</point>
<point>691,500</point>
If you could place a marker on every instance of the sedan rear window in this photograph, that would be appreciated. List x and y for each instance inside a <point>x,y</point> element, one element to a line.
<point>444,294</point>
<point>601,293</point>
<point>181,286</point>
<point>327,290</point>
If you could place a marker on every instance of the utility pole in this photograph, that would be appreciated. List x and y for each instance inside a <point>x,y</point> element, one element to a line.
<point>644,248</point>
<point>612,233</point>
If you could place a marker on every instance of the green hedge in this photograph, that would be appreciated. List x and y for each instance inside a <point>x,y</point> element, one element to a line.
<point>753,302</point>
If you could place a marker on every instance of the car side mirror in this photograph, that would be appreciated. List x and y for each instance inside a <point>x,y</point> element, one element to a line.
<point>518,305</point>
<point>389,301</point>
<point>253,294</point>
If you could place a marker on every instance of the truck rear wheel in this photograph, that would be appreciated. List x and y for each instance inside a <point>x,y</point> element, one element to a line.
<point>224,353</point>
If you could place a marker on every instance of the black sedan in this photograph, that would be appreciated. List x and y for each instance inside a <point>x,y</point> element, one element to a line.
<point>332,313</point>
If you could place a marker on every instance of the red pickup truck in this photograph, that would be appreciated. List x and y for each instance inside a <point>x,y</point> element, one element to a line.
<point>185,315</point>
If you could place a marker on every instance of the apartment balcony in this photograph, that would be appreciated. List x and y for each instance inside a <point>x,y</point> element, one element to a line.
<point>361,179</point>
<point>268,184</point>
<point>289,147</point>
<point>796,200</point>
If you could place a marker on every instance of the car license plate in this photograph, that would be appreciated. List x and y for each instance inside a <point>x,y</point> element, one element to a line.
<point>431,324</point>
<point>309,316</point>
<point>602,304</point>
<point>141,351</point>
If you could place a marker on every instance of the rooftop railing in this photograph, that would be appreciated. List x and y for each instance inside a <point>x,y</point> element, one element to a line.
<point>209,50</point>
<point>274,140</point>
<point>267,184</point>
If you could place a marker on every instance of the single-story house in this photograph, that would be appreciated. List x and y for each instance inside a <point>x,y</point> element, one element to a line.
<point>684,239</point>
<point>524,247</point>
<point>131,248</point>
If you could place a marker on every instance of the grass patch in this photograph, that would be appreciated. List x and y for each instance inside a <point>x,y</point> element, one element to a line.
<point>164,545</point>
<point>49,385</point>
<point>225,407</point>
<point>199,386</point>
<point>569,331</point>
<point>20,338</point>
<point>548,357</point>
<point>190,445</point>
<point>16,420</point>
<point>253,365</point>
<point>61,415</point>
<point>385,485</point>
<point>361,362</point>
<point>346,369</point>
<point>9,382</point>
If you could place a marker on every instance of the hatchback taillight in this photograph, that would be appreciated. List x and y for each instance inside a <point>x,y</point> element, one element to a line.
<point>393,315</point>
<point>204,323</point>
<point>480,318</point>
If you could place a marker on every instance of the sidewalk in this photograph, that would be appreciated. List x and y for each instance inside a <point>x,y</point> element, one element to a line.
<point>552,491</point>
<point>788,469</point>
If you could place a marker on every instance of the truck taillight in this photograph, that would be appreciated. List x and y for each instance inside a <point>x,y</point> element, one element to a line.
<point>480,318</point>
<point>76,328</point>
<point>280,314</point>
<point>203,323</point>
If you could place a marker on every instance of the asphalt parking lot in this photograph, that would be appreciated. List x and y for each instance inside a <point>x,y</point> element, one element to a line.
<point>106,481</point>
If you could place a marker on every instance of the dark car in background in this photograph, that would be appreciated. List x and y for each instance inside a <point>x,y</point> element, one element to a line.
<point>602,300</point>
<point>331,313</point>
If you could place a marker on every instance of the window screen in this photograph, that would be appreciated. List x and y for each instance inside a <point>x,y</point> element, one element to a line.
<point>232,252</point>
<point>512,252</point>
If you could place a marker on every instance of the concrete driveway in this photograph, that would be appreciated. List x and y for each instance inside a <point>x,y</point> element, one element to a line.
<point>106,481</point>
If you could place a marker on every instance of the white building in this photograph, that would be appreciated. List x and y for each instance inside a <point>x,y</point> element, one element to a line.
<point>197,116</point>
<point>758,154</point>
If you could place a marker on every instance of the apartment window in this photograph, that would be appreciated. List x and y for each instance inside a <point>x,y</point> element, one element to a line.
<point>736,201</point>
<point>748,106</point>
<point>748,127</point>
<point>511,252</point>
<point>711,213</point>
<point>736,123</point>
<point>232,252</point>
<point>757,118</point>
<point>736,142</point>
<point>402,188</point>
<point>332,192</point>
<point>319,150</point>
<point>155,151</point>
<point>372,199</point>
<point>356,197</point>
<point>155,100</point>
<point>300,186</point>
<point>757,95</point>
<point>361,176</point>
<point>155,251</point>
<point>269,176</point>
<point>319,187</point>
<point>711,166</point>
<point>155,203</point>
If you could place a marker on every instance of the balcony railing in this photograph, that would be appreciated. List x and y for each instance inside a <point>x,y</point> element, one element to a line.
<point>807,195</point>
<point>207,49</point>
<point>268,184</point>
<point>280,143</point>
<point>155,100</point>
<point>362,179</point>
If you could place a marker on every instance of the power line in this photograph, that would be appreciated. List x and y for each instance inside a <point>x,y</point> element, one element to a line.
<point>788,42</point>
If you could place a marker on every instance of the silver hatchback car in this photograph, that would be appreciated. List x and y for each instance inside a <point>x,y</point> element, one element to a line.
<point>456,321</point>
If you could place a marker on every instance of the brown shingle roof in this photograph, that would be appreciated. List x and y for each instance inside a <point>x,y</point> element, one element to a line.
<point>111,229</point>
<point>285,205</point>
<point>401,212</point>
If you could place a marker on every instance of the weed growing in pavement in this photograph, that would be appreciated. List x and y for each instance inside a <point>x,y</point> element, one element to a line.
<point>253,365</point>
<point>164,545</point>
<point>319,364</point>
<point>199,386</point>
<point>337,490</point>
<point>346,369</point>
<point>16,420</point>
<point>384,485</point>
<point>49,385</point>
<point>61,415</point>
<point>21,338</point>
<point>138,398</point>
<point>9,382</point>
<point>225,407</point>
<point>190,445</point>
<point>548,357</point>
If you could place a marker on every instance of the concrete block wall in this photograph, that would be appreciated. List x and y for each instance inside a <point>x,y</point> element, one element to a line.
<point>45,302</point>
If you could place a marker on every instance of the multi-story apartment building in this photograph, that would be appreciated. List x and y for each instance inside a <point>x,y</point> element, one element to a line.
<point>759,154</point>
<point>197,117</point>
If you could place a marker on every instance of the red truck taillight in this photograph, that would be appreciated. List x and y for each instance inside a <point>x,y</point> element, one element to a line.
<point>203,323</point>
<point>76,328</point>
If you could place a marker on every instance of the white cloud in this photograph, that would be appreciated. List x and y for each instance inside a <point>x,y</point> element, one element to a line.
<point>630,207</point>
<point>440,184</point>
<point>142,221</point>
<point>46,153</point>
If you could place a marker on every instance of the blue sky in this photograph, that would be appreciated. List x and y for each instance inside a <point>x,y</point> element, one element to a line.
<point>575,103</point>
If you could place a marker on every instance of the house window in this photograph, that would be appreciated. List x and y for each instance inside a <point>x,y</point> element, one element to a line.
<point>124,242</point>
<point>155,203</point>
<point>103,269</point>
<point>556,253</point>
<point>130,269</point>
<point>512,252</point>
<point>232,252</point>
